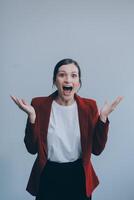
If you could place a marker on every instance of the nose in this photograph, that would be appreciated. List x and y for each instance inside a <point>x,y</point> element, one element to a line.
<point>68,79</point>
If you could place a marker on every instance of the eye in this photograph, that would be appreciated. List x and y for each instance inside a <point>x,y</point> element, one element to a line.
<point>61,74</point>
<point>74,75</point>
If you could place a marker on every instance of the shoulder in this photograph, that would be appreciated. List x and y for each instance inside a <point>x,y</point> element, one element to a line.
<point>88,101</point>
<point>88,104</point>
<point>38,101</point>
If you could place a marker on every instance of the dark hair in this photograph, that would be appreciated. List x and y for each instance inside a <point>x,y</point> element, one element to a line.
<point>66,61</point>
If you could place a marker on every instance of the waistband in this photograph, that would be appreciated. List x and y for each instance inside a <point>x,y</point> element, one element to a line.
<point>66,164</point>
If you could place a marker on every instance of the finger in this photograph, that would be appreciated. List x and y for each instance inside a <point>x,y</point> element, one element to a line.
<point>17,101</point>
<point>20,103</point>
<point>14,99</point>
<point>116,102</point>
<point>120,98</point>
<point>24,102</point>
<point>23,105</point>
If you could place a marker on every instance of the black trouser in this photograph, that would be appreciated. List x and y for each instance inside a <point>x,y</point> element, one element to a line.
<point>62,181</point>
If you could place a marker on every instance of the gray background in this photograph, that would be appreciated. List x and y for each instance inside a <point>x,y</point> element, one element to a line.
<point>35,35</point>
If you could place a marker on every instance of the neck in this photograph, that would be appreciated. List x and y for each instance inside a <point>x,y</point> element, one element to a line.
<point>64,102</point>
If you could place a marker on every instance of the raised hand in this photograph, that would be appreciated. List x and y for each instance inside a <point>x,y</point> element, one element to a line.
<point>27,108</point>
<point>108,108</point>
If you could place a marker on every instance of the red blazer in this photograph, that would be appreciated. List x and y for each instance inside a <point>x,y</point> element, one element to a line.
<point>93,138</point>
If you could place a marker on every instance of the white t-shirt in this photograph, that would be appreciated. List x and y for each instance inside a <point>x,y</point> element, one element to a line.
<point>63,137</point>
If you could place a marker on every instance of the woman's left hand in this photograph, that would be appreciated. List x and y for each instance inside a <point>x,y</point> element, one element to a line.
<point>108,108</point>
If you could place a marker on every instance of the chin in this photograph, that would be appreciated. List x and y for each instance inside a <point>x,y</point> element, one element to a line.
<point>67,98</point>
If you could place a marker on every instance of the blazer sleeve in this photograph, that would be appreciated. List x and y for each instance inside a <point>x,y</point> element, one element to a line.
<point>31,133</point>
<point>100,132</point>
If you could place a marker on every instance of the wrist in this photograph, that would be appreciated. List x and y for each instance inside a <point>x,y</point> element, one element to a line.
<point>32,117</point>
<point>103,118</point>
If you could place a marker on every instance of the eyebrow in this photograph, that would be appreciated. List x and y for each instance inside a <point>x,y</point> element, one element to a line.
<point>65,71</point>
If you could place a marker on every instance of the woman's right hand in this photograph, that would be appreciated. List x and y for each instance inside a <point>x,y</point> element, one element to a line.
<point>27,108</point>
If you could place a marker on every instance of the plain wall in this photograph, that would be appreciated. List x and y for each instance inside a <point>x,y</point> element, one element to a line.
<point>35,35</point>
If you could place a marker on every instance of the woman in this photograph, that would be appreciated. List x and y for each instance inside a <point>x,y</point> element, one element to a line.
<point>64,129</point>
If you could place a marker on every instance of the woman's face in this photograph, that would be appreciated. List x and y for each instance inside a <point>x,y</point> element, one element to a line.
<point>67,81</point>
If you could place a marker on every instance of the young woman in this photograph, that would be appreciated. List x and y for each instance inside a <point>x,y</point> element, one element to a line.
<point>64,129</point>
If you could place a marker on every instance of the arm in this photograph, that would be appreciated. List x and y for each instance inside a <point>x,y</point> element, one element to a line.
<point>102,124</point>
<point>100,132</point>
<point>30,138</point>
<point>31,131</point>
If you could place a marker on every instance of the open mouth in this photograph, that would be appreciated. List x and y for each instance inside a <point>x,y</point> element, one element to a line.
<point>67,88</point>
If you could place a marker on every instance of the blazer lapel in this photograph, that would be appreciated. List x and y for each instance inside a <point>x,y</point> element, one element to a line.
<point>83,115</point>
<point>45,117</point>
